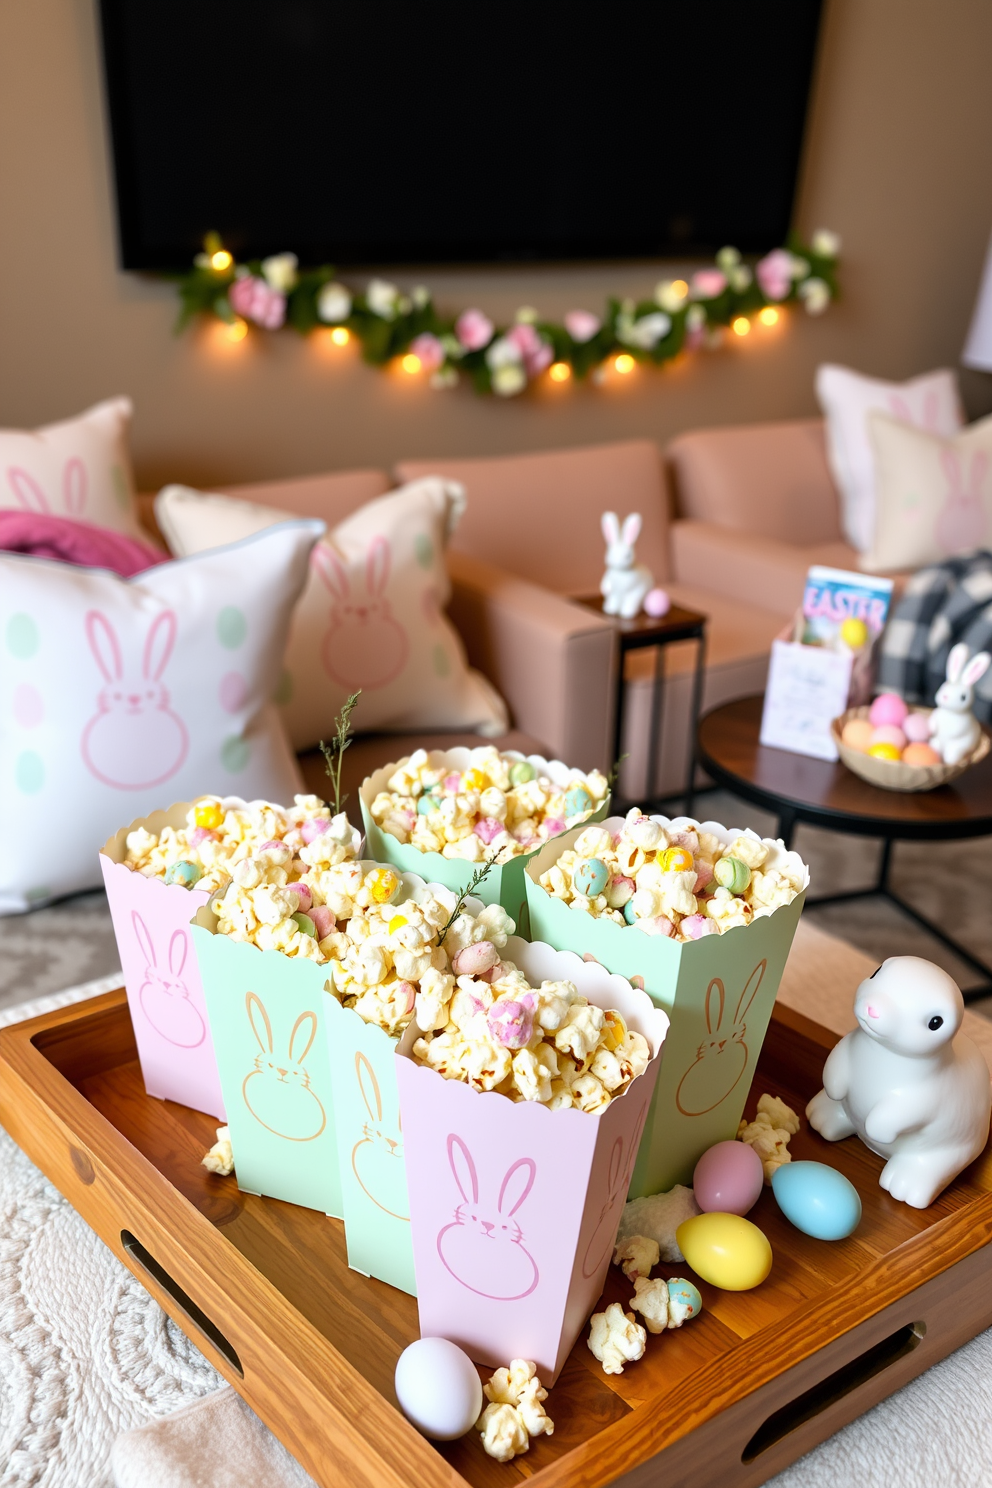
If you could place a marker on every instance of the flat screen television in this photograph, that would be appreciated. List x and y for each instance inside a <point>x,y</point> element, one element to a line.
<point>438,131</point>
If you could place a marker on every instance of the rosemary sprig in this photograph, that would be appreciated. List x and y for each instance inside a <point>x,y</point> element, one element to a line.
<point>614,774</point>
<point>334,752</point>
<point>473,883</point>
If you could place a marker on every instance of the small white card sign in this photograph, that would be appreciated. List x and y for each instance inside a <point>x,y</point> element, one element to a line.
<point>807,689</point>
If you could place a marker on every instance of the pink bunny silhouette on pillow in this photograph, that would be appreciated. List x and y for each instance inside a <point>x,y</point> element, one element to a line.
<point>32,498</point>
<point>483,1247</point>
<point>134,740</point>
<point>963,521</point>
<point>365,646</point>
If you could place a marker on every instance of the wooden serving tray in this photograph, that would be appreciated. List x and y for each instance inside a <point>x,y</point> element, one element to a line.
<point>264,1290</point>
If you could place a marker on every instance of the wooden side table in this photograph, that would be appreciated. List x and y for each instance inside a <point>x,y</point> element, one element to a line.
<point>636,635</point>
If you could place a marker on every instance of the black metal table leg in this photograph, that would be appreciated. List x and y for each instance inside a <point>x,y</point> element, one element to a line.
<point>787,827</point>
<point>694,706</point>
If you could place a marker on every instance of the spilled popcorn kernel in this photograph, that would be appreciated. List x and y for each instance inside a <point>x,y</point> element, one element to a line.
<point>220,1158</point>
<point>515,1412</point>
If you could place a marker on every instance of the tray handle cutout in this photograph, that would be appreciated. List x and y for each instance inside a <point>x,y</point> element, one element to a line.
<point>183,1301</point>
<point>828,1391</point>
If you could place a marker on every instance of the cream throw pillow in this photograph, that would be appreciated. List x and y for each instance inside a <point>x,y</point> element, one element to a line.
<point>79,468</point>
<point>930,402</point>
<point>371,615</point>
<point>934,496</point>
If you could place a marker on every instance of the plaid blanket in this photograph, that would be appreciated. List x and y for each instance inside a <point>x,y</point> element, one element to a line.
<point>940,606</point>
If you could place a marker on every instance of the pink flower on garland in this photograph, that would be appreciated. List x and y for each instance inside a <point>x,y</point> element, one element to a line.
<point>536,352</point>
<point>708,283</point>
<point>474,330</point>
<point>774,273</point>
<point>256,301</point>
<point>430,351</point>
<point>582,325</point>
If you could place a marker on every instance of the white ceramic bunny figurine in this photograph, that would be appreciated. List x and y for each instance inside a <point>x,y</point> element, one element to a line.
<point>913,1088</point>
<point>623,586</point>
<point>953,726</point>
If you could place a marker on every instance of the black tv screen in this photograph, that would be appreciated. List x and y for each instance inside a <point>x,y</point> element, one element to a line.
<point>432,131</point>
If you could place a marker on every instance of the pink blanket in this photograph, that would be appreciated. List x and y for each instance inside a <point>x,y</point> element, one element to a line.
<point>76,542</point>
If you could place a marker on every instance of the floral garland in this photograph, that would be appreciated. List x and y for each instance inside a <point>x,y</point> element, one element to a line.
<point>683,315</point>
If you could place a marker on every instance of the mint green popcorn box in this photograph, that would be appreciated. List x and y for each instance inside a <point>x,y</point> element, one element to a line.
<point>267,1013</point>
<point>718,992</point>
<point>504,883</point>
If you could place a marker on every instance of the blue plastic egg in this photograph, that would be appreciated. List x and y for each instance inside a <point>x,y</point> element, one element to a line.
<point>577,800</point>
<point>590,877</point>
<point>817,1199</point>
<point>183,872</point>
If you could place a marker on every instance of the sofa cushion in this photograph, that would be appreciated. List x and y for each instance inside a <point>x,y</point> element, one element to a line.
<point>77,468</point>
<point>121,695</point>
<point>767,480</point>
<point>755,570</point>
<point>371,616</point>
<point>931,402</point>
<point>538,515</point>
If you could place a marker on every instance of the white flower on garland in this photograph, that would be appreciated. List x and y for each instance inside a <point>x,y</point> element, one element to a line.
<point>333,303</point>
<point>503,353</point>
<point>815,294</point>
<point>280,272</point>
<point>382,298</point>
<point>509,379</point>
<point>825,244</point>
<point>740,278</point>
<point>644,334</point>
<point>671,295</point>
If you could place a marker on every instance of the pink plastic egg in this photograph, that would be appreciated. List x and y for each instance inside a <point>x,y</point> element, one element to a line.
<point>728,1179</point>
<point>916,727</point>
<point>888,708</point>
<point>857,734</point>
<point>920,754</point>
<point>887,733</point>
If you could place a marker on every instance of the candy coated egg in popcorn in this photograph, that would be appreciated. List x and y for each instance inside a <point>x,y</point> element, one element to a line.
<point>522,773</point>
<point>591,877</point>
<point>382,884</point>
<point>208,814</point>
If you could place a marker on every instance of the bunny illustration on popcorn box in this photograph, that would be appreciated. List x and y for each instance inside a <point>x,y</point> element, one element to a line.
<point>388,966</point>
<point>515,1197</point>
<point>702,917</point>
<point>442,814</point>
<point>151,918</point>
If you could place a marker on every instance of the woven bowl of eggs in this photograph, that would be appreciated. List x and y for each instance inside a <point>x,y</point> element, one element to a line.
<point>898,738</point>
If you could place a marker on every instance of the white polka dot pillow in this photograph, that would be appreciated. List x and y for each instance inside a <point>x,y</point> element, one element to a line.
<point>118,696</point>
<point>371,616</point>
<point>79,468</point>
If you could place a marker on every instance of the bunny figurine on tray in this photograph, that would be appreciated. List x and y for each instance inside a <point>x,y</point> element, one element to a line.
<point>954,729</point>
<point>623,586</point>
<point>913,1088</point>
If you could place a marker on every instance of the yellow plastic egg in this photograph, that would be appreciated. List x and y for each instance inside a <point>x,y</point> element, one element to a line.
<point>397,923</point>
<point>382,884</point>
<point>676,860</point>
<point>208,814</point>
<point>474,780</point>
<point>854,633</point>
<point>726,1250</point>
<point>857,734</point>
<point>884,751</point>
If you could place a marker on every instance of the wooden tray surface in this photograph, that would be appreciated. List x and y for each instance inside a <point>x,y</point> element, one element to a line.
<point>264,1289</point>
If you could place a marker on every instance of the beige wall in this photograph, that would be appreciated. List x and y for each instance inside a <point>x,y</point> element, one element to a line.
<point>899,163</point>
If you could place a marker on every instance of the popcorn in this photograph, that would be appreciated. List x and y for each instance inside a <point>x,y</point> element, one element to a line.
<point>498,805</point>
<point>515,1412</point>
<point>769,1133</point>
<point>219,838</point>
<point>544,1044</point>
<point>665,1304</point>
<point>220,1158</point>
<point>676,881</point>
<point>636,1256</point>
<point>615,1339</point>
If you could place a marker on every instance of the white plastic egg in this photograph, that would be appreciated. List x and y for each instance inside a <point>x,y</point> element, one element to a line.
<point>438,1388</point>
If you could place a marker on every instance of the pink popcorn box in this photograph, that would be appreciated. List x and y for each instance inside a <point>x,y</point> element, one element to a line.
<point>161,975</point>
<point>514,1208</point>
